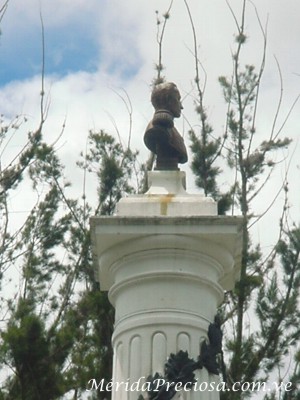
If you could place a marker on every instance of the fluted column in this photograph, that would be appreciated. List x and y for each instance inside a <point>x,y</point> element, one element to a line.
<point>166,276</point>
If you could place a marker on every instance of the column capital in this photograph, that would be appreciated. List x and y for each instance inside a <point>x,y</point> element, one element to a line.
<point>218,237</point>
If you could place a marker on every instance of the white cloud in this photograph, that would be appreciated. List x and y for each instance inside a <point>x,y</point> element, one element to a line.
<point>54,13</point>
<point>126,32</point>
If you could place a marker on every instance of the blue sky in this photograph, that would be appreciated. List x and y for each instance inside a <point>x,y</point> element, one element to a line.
<point>98,50</point>
<point>72,43</point>
<point>67,49</point>
<point>95,48</point>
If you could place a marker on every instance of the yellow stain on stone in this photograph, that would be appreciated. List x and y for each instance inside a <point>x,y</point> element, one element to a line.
<point>164,201</point>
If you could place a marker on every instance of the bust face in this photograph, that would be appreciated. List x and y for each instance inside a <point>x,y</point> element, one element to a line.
<point>175,105</point>
<point>166,96</point>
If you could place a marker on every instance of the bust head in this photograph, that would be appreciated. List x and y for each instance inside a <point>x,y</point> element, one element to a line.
<point>166,96</point>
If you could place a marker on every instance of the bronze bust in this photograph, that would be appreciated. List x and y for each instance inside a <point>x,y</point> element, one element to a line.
<point>161,137</point>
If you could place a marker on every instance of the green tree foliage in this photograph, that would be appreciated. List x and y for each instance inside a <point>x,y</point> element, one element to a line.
<point>26,347</point>
<point>57,334</point>
<point>205,147</point>
<point>269,284</point>
<point>112,165</point>
<point>56,325</point>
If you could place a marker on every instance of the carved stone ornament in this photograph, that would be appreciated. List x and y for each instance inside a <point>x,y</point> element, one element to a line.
<point>161,137</point>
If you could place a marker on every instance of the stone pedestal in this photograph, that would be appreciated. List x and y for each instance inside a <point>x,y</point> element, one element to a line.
<point>166,197</point>
<point>166,269</point>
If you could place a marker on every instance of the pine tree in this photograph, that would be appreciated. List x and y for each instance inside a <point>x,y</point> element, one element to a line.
<point>56,325</point>
<point>59,324</point>
<point>269,284</point>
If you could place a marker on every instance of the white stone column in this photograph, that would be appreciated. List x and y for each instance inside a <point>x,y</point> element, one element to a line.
<point>165,259</point>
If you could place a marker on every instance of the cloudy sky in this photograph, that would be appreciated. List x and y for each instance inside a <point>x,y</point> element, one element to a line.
<point>97,49</point>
